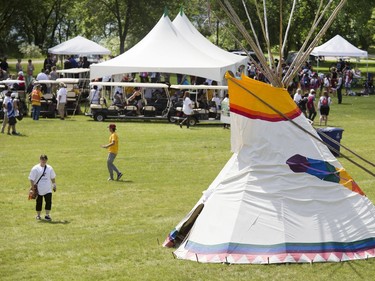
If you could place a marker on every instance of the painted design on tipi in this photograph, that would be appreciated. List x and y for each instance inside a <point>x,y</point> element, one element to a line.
<point>322,170</point>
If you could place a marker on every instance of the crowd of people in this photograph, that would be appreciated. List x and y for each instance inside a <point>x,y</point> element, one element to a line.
<point>306,89</point>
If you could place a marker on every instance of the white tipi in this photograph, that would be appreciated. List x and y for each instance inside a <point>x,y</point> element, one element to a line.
<point>282,197</point>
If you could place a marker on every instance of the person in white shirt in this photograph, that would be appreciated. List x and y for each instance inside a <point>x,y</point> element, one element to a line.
<point>42,76</point>
<point>187,108</point>
<point>324,107</point>
<point>297,96</point>
<point>94,95</point>
<point>7,98</point>
<point>43,176</point>
<point>61,100</point>
<point>217,101</point>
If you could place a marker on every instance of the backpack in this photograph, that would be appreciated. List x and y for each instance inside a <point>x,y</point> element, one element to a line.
<point>325,102</point>
<point>306,80</point>
<point>310,102</point>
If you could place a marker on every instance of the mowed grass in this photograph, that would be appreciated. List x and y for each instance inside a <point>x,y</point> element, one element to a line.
<point>114,230</point>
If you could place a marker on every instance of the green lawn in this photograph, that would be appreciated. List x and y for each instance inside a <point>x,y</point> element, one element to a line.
<point>114,230</point>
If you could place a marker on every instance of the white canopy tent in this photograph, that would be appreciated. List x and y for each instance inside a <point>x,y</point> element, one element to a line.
<point>338,47</point>
<point>191,34</point>
<point>164,49</point>
<point>79,46</point>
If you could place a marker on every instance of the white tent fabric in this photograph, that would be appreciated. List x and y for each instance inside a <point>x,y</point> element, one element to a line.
<point>191,34</point>
<point>79,46</point>
<point>281,198</point>
<point>164,49</point>
<point>338,47</point>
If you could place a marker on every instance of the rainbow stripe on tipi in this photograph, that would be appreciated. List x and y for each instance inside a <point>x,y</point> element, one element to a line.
<point>281,198</point>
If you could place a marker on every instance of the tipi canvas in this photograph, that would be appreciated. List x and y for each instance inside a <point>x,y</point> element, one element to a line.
<point>281,198</point>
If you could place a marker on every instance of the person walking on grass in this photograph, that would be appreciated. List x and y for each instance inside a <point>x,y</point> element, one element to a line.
<point>44,177</point>
<point>112,147</point>
<point>324,106</point>
<point>187,108</point>
<point>61,100</point>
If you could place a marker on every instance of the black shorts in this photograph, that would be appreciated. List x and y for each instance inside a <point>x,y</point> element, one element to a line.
<point>324,110</point>
<point>12,121</point>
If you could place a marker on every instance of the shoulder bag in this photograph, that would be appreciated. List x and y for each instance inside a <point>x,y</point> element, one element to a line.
<point>33,192</point>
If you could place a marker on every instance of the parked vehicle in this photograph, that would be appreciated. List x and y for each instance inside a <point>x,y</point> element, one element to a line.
<point>74,97</point>
<point>155,97</point>
<point>205,110</point>
<point>6,85</point>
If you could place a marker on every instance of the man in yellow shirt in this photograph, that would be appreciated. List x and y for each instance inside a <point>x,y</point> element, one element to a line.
<point>112,147</point>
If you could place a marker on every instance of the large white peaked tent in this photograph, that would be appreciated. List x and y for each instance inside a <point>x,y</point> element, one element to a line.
<point>165,49</point>
<point>338,47</point>
<point>191,34</point>
<point>281,198</point>
<point>79,46</point>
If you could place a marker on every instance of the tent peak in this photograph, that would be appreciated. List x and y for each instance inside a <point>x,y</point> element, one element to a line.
<point>165,12</point>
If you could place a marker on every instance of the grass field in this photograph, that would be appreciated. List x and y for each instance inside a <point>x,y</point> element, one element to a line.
<point>113,230</point>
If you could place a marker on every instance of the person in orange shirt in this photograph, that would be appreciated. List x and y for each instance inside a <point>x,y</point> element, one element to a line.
<point>36,96</point>
<point>112,147</point>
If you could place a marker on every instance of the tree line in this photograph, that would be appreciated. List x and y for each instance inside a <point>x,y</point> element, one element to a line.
<point>120,24</point>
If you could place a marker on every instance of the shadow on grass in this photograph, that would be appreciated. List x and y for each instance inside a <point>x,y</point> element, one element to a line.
<point>124,181</point>
<point>55,222</point>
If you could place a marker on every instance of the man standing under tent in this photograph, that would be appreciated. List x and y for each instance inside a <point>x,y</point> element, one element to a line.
<point>94,96</point>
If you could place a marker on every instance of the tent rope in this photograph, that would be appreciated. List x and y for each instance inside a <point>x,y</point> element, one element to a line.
<point>300,127</point>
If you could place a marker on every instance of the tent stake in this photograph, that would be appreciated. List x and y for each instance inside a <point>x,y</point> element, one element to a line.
<point>174,256</point>
<point>196,256</point>
<point>157,239</point>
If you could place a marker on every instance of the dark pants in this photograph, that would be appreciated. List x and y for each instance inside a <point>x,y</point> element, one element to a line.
<point>187,120</point>
<point>47,199</point>
<point>312,115</point>
<point>339,95</point>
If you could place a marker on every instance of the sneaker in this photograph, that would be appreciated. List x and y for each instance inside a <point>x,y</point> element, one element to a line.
<point>119,176</point>
<point>38,218</point>
<point>15,133</point>
<point>47,218</point>
<point>180,125</point>
<point>110,179</point>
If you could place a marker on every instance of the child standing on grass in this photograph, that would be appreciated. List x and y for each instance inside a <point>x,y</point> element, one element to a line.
<point>43,176</point>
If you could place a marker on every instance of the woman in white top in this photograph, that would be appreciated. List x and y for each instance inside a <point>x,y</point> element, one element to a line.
<point>44,176</point>
<point>187,108</point>
<point>324,106</point>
